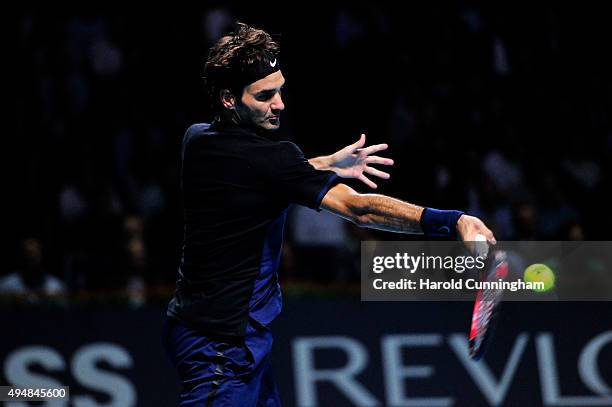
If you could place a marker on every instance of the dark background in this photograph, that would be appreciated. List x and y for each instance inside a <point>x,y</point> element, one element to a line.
<point>500,111</point>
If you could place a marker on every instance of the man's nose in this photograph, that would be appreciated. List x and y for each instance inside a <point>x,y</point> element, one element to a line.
<point>277,103</point>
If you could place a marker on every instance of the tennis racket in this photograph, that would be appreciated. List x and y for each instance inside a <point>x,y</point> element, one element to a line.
<point>487,304</point>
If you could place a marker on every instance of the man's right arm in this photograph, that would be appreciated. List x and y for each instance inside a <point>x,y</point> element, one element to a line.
<point>373,210</point>
<point>394,215</point>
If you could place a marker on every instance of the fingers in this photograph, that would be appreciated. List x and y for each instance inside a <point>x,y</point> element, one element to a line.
<point>374,149</point>
<point>378,160</point>
<point>486,232</point>
<point>360,143</point>
<point>366,181</point>
<point>469,227</point>
<point>376,173</point>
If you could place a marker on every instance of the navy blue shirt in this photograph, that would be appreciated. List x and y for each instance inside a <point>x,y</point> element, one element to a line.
<point>237,186</point>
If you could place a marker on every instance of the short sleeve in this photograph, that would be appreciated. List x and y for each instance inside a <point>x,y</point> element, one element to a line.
<point>295,180</point>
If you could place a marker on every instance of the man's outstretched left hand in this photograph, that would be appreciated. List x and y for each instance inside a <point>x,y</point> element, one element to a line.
<point>353,162</point>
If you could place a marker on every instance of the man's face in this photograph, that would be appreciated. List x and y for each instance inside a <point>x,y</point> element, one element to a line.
<point>261,102</point>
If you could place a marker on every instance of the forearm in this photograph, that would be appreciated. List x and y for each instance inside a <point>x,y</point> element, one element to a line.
<point>321,163</point>
<point>393,215</point>
<point>388,214</point>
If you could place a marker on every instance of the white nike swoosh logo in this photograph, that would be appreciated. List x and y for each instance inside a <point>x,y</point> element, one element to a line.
<point>273,63</point>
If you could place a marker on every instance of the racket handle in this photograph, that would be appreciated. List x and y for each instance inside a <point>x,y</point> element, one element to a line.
<point>481,247</point>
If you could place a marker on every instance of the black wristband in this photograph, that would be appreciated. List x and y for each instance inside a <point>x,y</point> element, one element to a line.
<point>440,223</point>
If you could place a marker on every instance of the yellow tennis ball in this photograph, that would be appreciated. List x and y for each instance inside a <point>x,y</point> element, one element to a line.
<point>540,273</point>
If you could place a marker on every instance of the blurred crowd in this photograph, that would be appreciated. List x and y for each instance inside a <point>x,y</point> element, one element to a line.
<point>503,113</point>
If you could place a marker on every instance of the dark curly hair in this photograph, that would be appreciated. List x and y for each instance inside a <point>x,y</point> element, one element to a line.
<point>232,54</point>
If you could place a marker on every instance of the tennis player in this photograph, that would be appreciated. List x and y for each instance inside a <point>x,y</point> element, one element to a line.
<point>237,184</point>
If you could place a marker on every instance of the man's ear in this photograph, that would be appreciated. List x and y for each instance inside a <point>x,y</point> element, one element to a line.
<point>227,99</point>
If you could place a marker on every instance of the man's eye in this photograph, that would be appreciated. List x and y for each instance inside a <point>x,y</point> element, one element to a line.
<point>263,97</point>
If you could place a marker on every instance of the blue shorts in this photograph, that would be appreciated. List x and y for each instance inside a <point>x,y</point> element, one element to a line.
<point>216,371</point>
